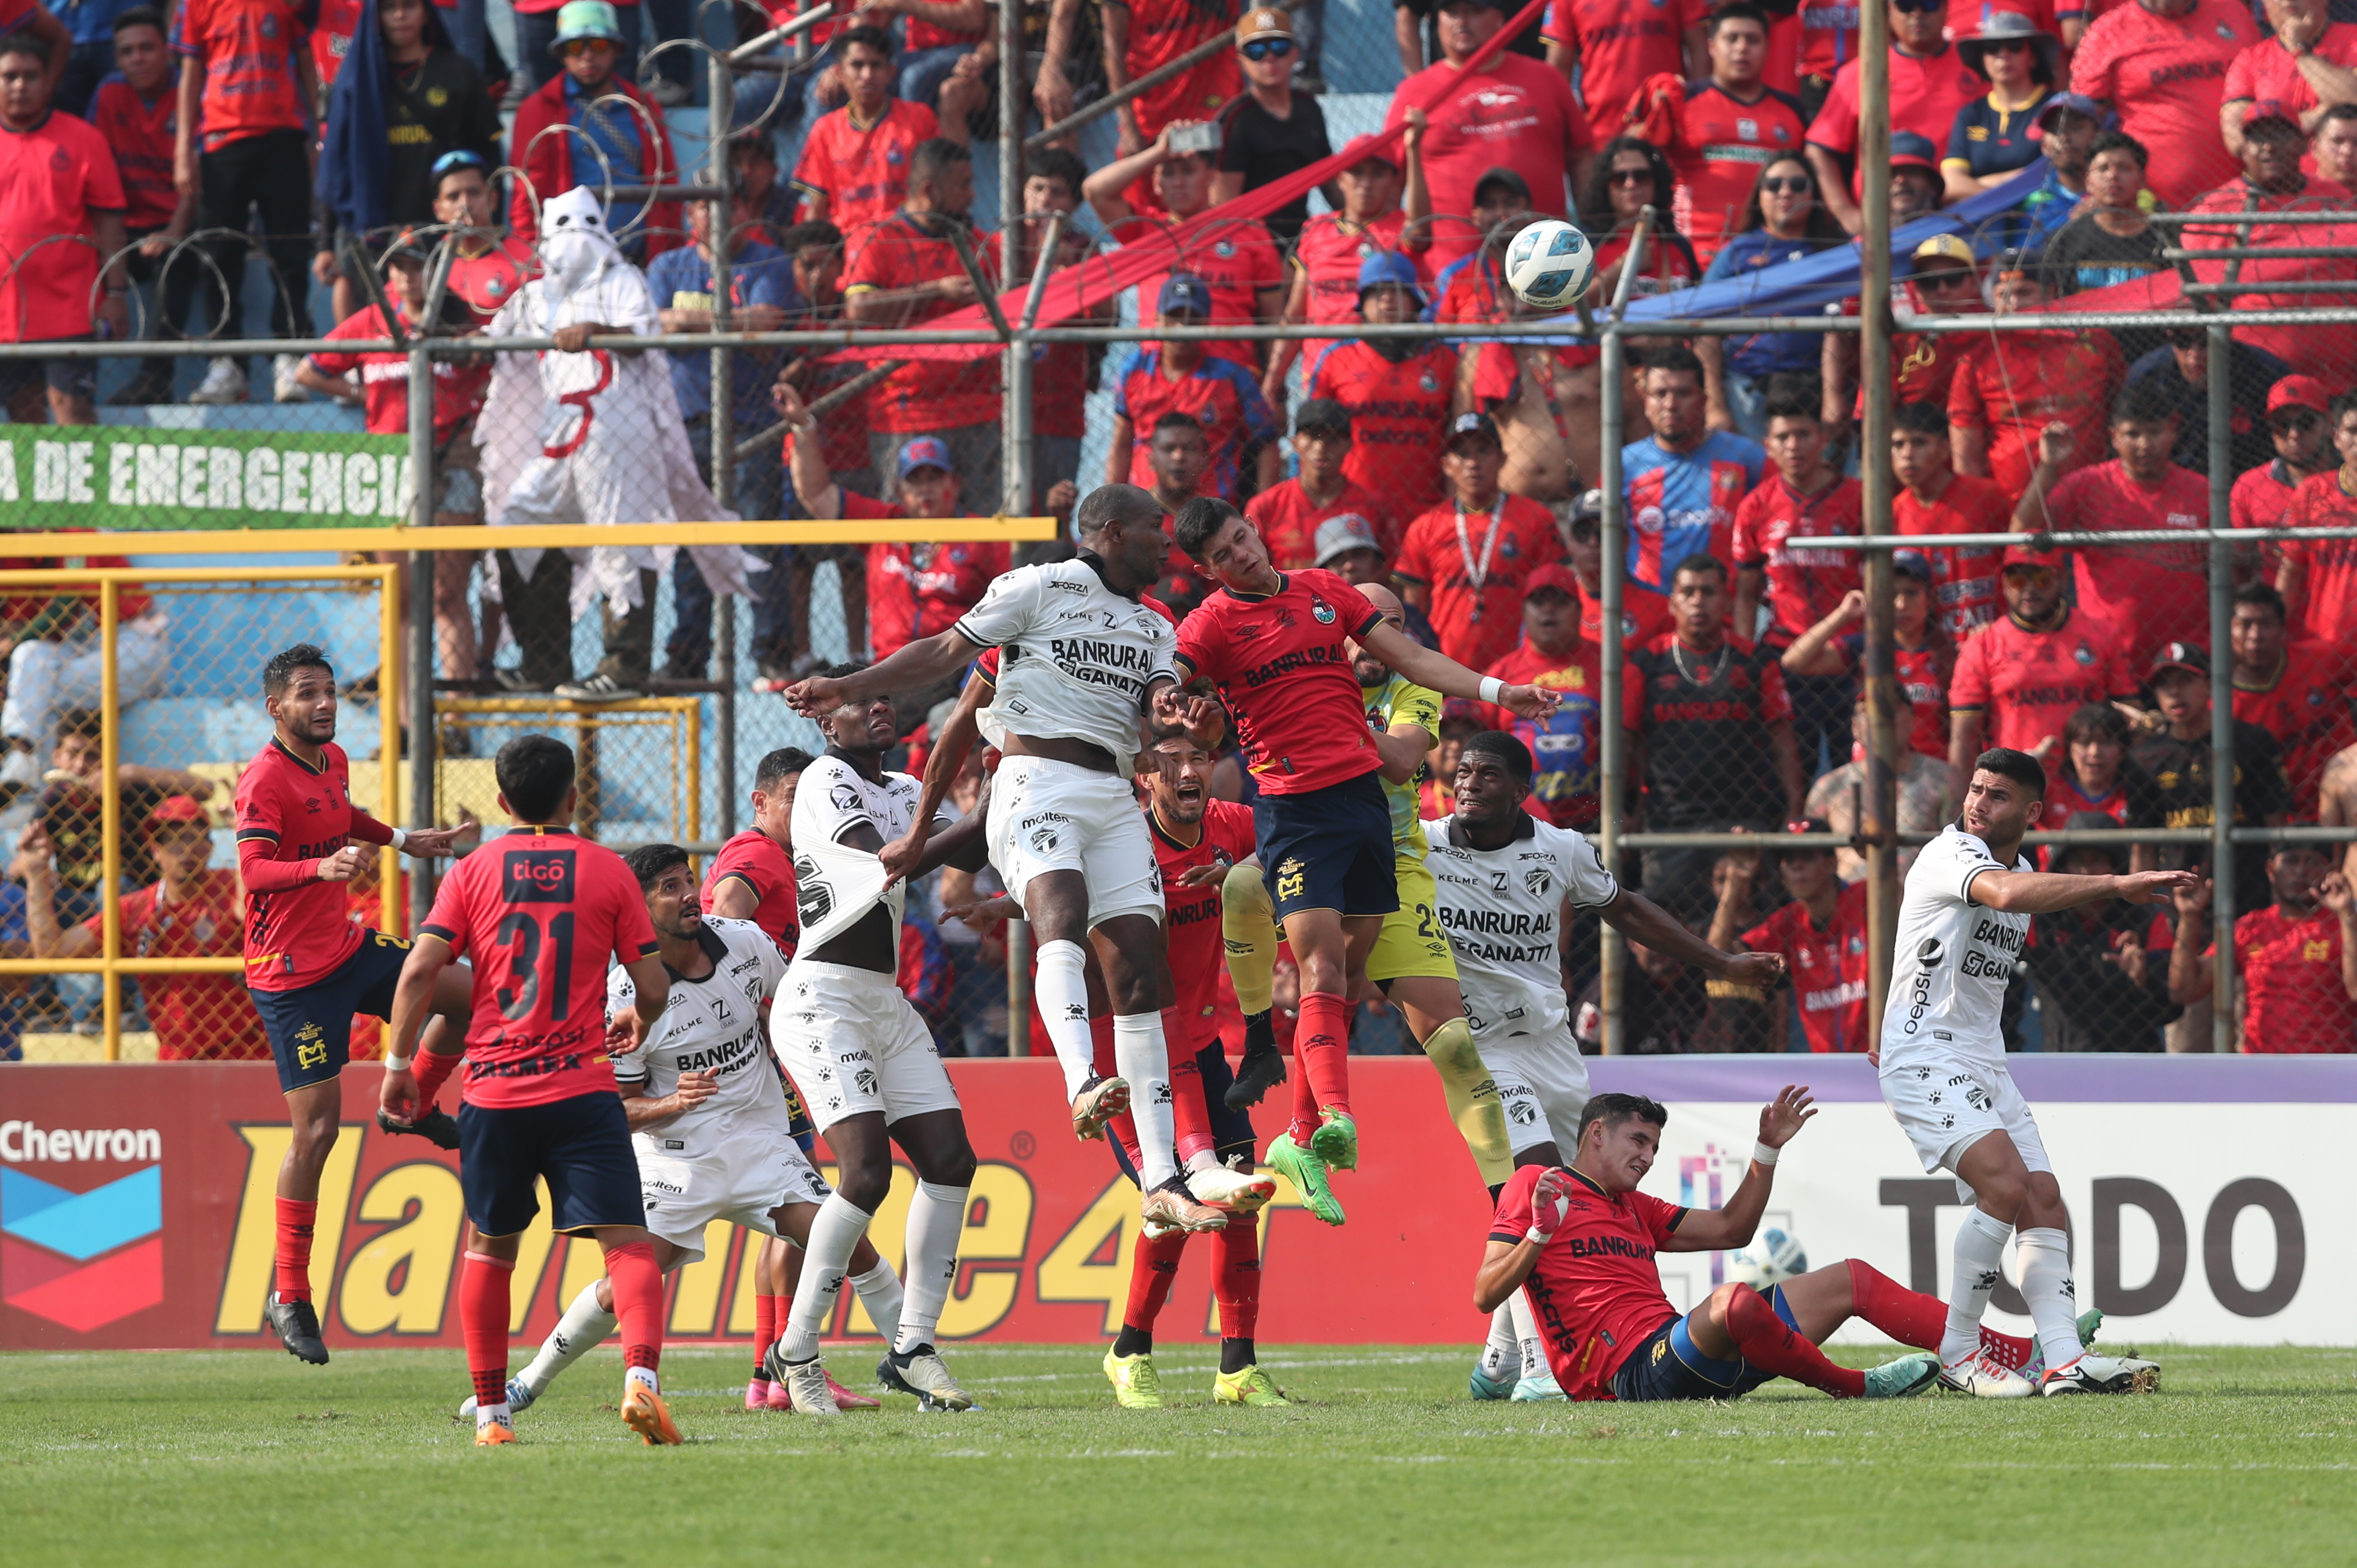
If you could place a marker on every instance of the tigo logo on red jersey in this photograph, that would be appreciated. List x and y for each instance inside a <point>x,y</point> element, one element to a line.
<point>538,876</point>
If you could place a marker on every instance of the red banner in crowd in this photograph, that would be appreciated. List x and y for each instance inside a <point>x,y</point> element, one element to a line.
<point>136,1212</point>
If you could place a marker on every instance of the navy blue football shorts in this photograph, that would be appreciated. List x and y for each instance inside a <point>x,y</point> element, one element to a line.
<point>579,1145</point>
<point>1328,849</point>
<point>1667,1366</point>
<point>310,1030</point>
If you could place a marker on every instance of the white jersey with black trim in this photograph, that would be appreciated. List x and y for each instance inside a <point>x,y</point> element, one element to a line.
<point>1076,657</point>
<point>836,885</point>
<point>1952,957</point>
<point>1503,908</point>
<point>712,1024</point>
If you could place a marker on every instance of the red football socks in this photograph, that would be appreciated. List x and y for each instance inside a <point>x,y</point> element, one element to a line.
<point>1153,1269</point>
<point>292,1262</point>
<point>1322,1050</point>
<point>1189,1108</point>
<point>431,1071</point>
<point>637,1302</point>
<point>1235,1277</point>
<point>484,1323</point>
<point>1913,1318</point>
<point>768,1311</point>
<point>1769,1343</point>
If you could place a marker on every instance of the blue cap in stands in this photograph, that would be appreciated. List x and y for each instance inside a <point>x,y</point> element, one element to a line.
<point>927,452</point>
<point>1390,267</point>
<point>587,19</point>
<point>1911,563</point>
<point>1185,291</point>
<point>2077,103</point>
<point>1909,147</point>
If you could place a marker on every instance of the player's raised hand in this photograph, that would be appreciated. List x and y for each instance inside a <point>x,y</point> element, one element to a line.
<point>814,696</point>
<point>1785,1115</point>
<point>2128,953</point>
<point>1529,702</point>
<point>2056,443</point>
<point>1550,1202</point>
<point>2190,899</point>
<point>342,866</point>
<point>1764,970</point>
<point>694,1087</point>
<point>2151,887</point>
<point>459,841</point>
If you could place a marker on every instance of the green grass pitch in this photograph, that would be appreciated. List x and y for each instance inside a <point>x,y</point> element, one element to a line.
<point>2245,1456</point>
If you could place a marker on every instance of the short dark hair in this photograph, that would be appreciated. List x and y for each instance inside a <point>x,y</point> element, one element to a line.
<point>2340,112</point>
<point>1055,163</point>
<point>284,664</point>
<point>2145,401</point>
<point>1508,749</point>
<point>533,772</point>
<point>2096,721</point>
<point>1737,11</point>
<point>1174,419</point>
<point>780,766</point>
<point>2018,765</point>
<point>2263,595</point>
<point>1614,1108</point>
<point>1675,358</point>
<point>650,861</point>
<point>25,43</point>
<point>935,154</point>
<point>816,232</point>
<point>1197,520</point>
<point>1794,395</point>
<point>2118,142</point>
<point>1920,419</point>
<point>82,724</point>
<point>1113,503</point>
<point>2343,407</point>
<point>875,38</point>
<point>139,17</point>
<point>843,670</point>
<point>1700,563</point>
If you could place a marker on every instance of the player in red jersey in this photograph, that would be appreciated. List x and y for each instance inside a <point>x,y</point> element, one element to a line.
<point>2318,577</point>
<point>1398,392</point>
<point>2018,681</point>
<point>1274,645</point>
<point>307,967</point>
<point>1582,1240</point>
<point>2295,690</point>
<point>542,910</point>
<point>1821,933</point>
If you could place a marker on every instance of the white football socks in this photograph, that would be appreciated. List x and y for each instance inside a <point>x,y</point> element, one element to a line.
<point>834,1232</point>
<point>936,1219</point>
<point>1531,1353</point>
<point>584,1328</point>
<point>1503,1353</point>
<point>2045,1257</point>
<point>1980,1245</point>
<point>1142,1056</point>
<point>1060,985</point>
<point>880,1293</point>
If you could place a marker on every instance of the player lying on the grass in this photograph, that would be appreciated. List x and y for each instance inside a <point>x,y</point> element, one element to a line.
<point>863,1056</point>
<point>1504,879</point>
<point>1963,919</point>
<point>709,1123</point>
<point>1410,963</point>
<point>1086,658</point>
<point>1581,1239</point>
<point>307,966</point>
<point>540,910</point>
<point>1275,646</point>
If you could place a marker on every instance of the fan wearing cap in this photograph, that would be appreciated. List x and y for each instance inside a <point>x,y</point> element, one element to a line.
<point>2001,403</point>
<point>1556,655</point>
<point>1398,390</point>
<point>2298,691</point>
<point>1929,83</point>
<point>1922,652</point>
<point>1821,935</point>
<point>1331,258</point>
<point>1615,47</point>
<point>591,103</point>
<point>2298,956</point>
<point>1472,287</point>
<point>2307,63</point>
<point>1465,561</point>
<point>2297,410</point>
<point>1944,279</point>
<point>2018,679</point>
<point>1234,260</point>
<point>191,911</point>
<point>2102,969</point>
<point>1523,117</point>
<point>1994,135</point>
<point>2066,127</point>
<point>2180,366</point>
<point>1644,615</point>
<point>2273,181</point>
<point>1179,375</point>
<point>2179,760</point>
<point>1291,514</point>
<point>1269,131</point>
<point>1729,123</point>
<point>2162,65</point>
<point>2318,577</point>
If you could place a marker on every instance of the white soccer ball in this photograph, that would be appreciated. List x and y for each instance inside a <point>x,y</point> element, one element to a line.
<point>1550,265</point>
<point>1773,1257</point>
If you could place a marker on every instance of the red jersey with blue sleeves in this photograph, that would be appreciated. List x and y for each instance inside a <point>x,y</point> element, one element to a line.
<point>1190,921</point>
<point>540,913</point>
<point>1683,503</point>
<point>290,816</point>
<point>1596,1291</point>
<point>1280,666</point>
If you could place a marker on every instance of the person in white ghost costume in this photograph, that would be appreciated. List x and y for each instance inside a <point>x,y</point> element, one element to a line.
<point>589,435</point>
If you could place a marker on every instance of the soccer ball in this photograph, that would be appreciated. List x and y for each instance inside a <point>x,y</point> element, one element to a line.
<point>1773,1257</point>
<point>1550,265</point>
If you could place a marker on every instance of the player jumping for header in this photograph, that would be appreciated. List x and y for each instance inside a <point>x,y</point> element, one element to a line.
<point>1961,922</point>
<point>1275,646</point>
<point>307,966</point>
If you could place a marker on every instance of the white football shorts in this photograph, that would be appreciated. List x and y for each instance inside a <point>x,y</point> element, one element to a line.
<point>753,1171</point>
<point>1059,816</point>
<point>853,1044</point>
<point>1947,1103</point>
<point>1542,1082</point>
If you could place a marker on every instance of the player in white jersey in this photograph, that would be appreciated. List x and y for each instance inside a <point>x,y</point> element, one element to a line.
<point>708,1118</point>
<point>1505,878</point>
<point>1962,923</point>
<point>1084,661</point>
<point>862,1059</point>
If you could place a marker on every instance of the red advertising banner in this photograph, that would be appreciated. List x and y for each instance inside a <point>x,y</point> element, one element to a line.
<point>136,1212</point>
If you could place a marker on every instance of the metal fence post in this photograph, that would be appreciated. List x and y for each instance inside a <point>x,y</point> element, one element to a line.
<point>723,92</point>
<point>1014,425</point>
<point>110,819</point>
<point>1879,810</point>
<point>420,633</point>
<point>2221,687</point>
<point>1611,752</point>
<point>388,740</point>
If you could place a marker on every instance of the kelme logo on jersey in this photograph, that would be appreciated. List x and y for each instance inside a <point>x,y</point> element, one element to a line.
<point>538,876</point>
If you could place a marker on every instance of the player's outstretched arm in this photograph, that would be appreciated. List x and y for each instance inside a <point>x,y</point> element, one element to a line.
<point>413,1004</point>
<point>943,765</point>
<point>919,663</point>
<point>1640,919</point>
<point>1450,679</point>
<point>1714,1230</point>
<point>2044,892</point>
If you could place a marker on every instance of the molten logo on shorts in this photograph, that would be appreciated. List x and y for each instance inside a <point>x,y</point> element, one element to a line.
<point>538,876</point>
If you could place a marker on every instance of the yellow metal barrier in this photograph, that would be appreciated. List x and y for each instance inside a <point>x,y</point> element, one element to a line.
<point>550,536</point>
<point>590,723</point>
